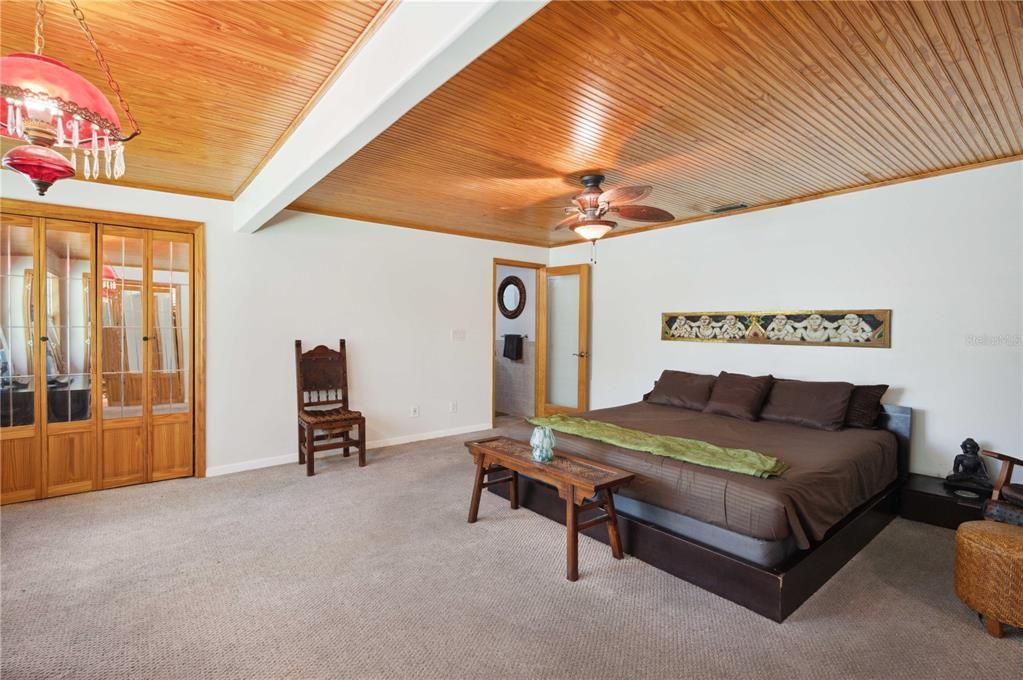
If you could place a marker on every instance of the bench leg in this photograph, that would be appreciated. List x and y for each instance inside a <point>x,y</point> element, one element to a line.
<point>612,526</point>
<point>514,495</point>
<point>477,491</point>
<point>571,536</point>
<point>310,450</point>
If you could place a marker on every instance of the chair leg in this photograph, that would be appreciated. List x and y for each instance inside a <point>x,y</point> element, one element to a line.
<point>310,451</point>
<point>346,437</point>
<point>301,450</point>
<point>362,443</point>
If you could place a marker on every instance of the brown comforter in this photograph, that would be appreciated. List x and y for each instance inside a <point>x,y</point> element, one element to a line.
<point>830,474</point>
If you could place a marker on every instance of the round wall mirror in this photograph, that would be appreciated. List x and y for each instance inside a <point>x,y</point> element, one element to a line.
<point>511,297</point>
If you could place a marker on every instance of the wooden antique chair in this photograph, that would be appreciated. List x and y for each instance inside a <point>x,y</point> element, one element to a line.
<point>989,554</point>
<point>324,420</point>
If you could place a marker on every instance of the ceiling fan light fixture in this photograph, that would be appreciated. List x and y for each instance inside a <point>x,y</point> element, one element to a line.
<point>591,230</point>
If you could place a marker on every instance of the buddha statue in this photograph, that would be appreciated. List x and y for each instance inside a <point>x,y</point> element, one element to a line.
<point>968,471</point>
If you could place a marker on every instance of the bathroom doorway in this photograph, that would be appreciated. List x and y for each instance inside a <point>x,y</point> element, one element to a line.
<point>516,286</point>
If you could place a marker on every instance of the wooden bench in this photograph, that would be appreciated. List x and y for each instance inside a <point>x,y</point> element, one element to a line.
<point>577,480</point>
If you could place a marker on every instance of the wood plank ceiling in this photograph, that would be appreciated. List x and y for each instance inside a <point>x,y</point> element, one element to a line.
<point>214,85</point>
<point>710,102</point>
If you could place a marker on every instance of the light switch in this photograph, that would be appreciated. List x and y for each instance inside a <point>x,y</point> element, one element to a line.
<point>457,335</point>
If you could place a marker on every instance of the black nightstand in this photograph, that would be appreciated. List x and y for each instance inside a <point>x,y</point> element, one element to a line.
<point>925,499</point>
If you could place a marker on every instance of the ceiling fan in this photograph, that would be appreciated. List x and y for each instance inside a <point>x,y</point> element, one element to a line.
<point>589,217</point>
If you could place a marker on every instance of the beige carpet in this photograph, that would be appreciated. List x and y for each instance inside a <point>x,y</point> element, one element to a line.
<point>374,573</point>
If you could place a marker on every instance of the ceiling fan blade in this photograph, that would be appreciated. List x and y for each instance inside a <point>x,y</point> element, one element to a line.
<point>625,194</point>
<point>520,208</point>
<point>568,221</point>
<point>642,213</point>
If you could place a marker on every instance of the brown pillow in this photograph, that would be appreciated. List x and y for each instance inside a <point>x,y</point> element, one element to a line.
<point>681,389</point>
<point>820,405</point>
<point>865,406</point>
<point>738,396</point>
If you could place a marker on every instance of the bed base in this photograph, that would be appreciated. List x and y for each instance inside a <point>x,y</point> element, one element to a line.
<point>771,592</point>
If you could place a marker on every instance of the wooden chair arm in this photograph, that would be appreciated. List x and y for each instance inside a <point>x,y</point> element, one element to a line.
<point>1005,474</point>
<point>1002,457</point>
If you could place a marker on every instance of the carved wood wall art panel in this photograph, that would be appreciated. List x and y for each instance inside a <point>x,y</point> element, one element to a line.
<point>845,328</point>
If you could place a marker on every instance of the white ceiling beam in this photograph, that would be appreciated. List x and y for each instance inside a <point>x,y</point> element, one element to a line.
<point>415,50</point>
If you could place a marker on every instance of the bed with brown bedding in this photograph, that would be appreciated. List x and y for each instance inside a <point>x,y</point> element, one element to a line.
<point>767,544</point>
<point>830,474</point>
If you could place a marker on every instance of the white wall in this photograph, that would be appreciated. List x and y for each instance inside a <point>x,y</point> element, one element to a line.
<point>395,294</point>
<point>944,254</point>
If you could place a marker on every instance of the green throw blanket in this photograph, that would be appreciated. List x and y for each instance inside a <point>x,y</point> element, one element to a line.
<point>743,461</point>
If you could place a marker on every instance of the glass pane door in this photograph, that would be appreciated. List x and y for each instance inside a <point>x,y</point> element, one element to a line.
<point>17,319</point>
<point>170,355</point>
<point>122,325</point>
<point>566,345</point>
<point>171,315</point>
<point>563,341</point>
<point>68,319</point>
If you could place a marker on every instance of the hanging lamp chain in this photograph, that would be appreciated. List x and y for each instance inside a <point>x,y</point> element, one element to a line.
<point>40,40</point>
<point>102,63</point>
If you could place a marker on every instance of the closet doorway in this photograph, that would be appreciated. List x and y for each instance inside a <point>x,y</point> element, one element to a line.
<point>101,362</point>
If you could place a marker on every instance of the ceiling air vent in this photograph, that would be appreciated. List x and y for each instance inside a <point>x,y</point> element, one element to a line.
<point>728,208</point>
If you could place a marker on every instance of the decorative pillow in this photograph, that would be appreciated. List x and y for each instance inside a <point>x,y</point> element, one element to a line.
<point>820,405</point>
<point>865,406</point>
<point>681,389</point>
<point>738,396</point>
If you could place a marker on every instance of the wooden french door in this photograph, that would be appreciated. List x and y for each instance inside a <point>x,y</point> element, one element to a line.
<point>146,355</point>
<point>96,356</point>
<point>20,398</point>
<point>563,342</point>
<point>47,412</point>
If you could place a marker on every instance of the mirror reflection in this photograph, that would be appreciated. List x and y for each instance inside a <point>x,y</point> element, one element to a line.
<point>122,326</point>
<point>17,381</point>
<point>171,271</point>
<point>511,297</point>
<point>68,316</point>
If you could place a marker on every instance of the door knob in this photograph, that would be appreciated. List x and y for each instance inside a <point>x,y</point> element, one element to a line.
<point>581,355</point>
<point>44,339</point>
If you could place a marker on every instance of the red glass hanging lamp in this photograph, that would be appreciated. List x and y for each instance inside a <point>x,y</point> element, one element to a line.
<point>49,106</point>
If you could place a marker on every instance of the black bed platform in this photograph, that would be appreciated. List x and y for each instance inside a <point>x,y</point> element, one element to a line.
<point>771,592</point>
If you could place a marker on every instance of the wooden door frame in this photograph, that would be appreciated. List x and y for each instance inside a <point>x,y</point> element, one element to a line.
<point>540,305</point>
<point>583,379</point>
<point>198,231</point>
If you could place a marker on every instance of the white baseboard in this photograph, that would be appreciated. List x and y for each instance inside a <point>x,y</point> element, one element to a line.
<point>218,470</point>
<point>423,436</point>
<point>290,458</point>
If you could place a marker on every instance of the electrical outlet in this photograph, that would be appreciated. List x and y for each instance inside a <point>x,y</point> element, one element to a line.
<point>453,406</point>
<point>413,412</point>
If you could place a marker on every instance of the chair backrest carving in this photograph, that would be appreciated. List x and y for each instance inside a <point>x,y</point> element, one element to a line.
<point>321,376</point>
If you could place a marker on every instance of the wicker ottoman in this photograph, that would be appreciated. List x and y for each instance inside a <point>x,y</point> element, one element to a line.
<point>989,572</point>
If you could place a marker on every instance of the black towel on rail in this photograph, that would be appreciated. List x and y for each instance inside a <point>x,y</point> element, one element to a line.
<point>513,347</point>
